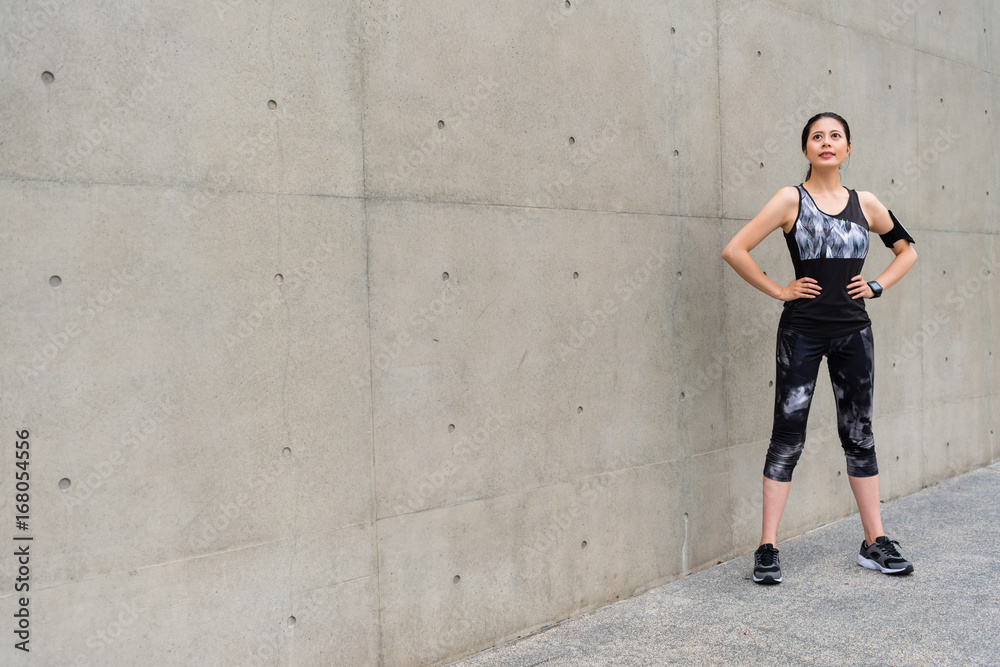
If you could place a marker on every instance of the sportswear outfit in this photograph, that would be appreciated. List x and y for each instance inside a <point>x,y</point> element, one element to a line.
<point>830,249</point>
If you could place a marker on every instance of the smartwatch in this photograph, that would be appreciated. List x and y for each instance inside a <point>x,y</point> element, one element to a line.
<point>876,289</point>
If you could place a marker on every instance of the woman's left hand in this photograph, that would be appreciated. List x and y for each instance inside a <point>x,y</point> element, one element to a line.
<point>859,289</point>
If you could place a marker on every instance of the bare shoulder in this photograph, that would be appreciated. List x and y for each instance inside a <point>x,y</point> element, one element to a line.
<point>784,206</point>
<point>788,195</point>
<point>868,199</point>
<point>786,203</point>
<point>875,212</point>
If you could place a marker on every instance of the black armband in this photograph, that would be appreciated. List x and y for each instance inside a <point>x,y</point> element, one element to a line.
<point>896,233</point>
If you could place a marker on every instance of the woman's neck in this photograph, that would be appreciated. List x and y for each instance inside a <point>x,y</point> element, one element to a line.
<point>826,181</point>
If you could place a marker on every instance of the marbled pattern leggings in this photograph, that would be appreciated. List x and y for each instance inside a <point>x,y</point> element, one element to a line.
<point>851,361</point>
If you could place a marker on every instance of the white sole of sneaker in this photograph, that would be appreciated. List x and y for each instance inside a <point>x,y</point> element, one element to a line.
<point>767,580</point>
<point>873,565</point>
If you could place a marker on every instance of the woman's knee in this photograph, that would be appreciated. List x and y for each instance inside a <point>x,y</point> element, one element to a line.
<point>781,460</point>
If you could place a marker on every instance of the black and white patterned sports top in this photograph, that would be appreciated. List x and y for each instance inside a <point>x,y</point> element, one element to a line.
<point>831,249</point>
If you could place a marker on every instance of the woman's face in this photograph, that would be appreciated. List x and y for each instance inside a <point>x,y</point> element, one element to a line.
<point>827,144</point>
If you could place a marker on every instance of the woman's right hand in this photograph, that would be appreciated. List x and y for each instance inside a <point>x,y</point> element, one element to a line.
<point>803,288</point>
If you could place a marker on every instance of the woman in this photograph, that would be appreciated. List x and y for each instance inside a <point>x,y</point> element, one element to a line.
<point>824,315</point>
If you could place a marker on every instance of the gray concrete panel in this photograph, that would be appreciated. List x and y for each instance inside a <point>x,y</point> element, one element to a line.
<point>750,329</point>
<point>952,121</point>
<point>446,572</point>
<point>896,318</point>
<point>992,11</point>
<point>880,106</point>
<point>247,606</point>
<point>955,30</point>
<point>746,474</point>
<point>893,21</point>
<point>952,335</point>
<point>709,516</point>
<point>291,368</point>
<point>899,448</point>
<point>583,375</point>
<point>180,95</point>
<point>803,69</point>
<point>993,125</point>
<point>948,451</point>
<point>698,333</point>
<point>483,113</point>
<point>193,371</point>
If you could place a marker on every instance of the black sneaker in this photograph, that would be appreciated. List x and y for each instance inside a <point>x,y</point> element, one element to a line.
<point>882,556</point>
<point>766,569</point>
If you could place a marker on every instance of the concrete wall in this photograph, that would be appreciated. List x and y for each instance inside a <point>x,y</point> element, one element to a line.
<point>359,333</point>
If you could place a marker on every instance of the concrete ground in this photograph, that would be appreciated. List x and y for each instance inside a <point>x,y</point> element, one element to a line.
<point>828,610</point>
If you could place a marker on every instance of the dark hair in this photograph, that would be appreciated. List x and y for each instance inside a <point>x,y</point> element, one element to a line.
<point>808,127</point>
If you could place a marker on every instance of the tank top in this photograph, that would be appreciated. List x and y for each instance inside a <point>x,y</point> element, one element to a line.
<point>831,249</point>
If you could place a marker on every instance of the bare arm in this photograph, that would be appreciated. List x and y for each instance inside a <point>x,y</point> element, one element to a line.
<point>779,212</point>
<point>879,222</point>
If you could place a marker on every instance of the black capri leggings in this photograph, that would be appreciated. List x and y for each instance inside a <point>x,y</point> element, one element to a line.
<point>851,361</point>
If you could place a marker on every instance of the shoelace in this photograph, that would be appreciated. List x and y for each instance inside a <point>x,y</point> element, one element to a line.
<point>887,548</point>
<point>767,557</point>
